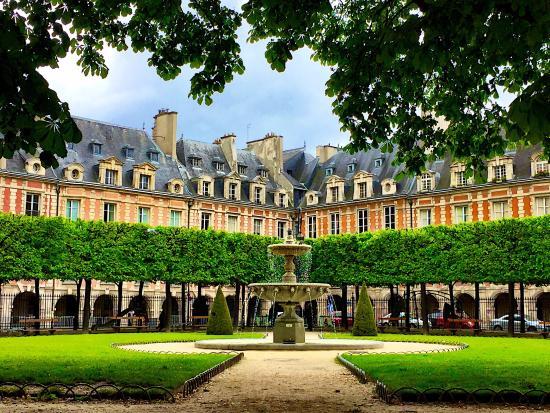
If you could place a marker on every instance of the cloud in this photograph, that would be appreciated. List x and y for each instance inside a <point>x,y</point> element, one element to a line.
<point>291,103</point>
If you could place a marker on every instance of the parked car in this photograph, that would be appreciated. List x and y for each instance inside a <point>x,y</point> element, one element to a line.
<point>336,318</point>
<point>452,322</point>
<point>501,323</point>
<point>415,323</point>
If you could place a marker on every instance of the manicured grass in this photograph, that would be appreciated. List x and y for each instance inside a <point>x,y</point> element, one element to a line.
<point>489,362</point>
<point>91,359</point>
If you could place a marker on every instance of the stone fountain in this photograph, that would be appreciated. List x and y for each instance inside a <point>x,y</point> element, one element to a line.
<point>289,327</point>
<point>289,332</point>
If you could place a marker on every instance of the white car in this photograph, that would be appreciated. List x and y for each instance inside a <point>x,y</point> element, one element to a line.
<point>501,323</point>
<point>385,321</point>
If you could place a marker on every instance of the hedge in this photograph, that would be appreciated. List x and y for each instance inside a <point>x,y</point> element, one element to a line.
<point>509,250</point>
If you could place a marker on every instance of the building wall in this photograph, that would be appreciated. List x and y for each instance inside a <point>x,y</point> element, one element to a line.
<point>520,198</point>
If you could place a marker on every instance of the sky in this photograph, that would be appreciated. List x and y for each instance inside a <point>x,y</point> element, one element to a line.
<point>292,103</point>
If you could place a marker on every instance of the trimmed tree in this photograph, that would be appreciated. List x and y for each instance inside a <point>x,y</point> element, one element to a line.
<point>363,322</point>
<point>219,321</point>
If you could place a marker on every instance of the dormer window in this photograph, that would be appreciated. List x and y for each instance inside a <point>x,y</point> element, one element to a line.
<point>36,167</point>
<point>499,172</point>
<point>242,169</point>
<point>70,145</point>
<point>263,173</point>
<point>378,162</point>
<point>96,148</point>
<point>282,200</point>
<point>206,188</point>
<point>128,152</point>
<point>144,181</point>
<point>460,178</point>
<point>329,171</point>
<point>334,194</point>
<point>195,161</point>
<point>219,166</point>
<point>539,165</point>
<point>177,188</point>
<point>233,191</point>
<point>362,190</point>
<point>110,176</point>
<point>426,182</point>
<point>75,174</point>
<point>153,156</point>
<point>362,185</point>
<point>351,167</point>
<point>257,195</point>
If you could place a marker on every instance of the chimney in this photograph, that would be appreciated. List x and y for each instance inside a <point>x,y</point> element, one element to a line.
<point>229,149</point>
<point>325,152</point>
<point>164,131</point>
<point>270,151</point>
<point>2,163</point>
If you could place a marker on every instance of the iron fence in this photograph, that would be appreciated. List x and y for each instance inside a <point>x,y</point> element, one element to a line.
<point>62,311</point>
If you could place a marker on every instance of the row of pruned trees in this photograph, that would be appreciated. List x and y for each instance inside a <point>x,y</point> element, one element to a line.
<point>507,251</point>
<point>55,248</point>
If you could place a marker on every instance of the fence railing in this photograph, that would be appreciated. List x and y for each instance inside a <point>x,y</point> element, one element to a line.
<point>62,311</point>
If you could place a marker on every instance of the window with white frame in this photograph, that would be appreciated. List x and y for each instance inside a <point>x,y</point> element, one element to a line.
<point>258,224</point>
<point>109,212</point>
<point>460,178</point>
<point>312,226</point>
<point>110,176</point>
<point>219,166</point>
<point>426,182</point>
<point>541,167</point>
<point>462,214</point>
<point>73,209</point>
<point>232,190</point>
<point>329,171</point>
<point>335,223</point>
<point>500,209</point>
<point>144,181</point>
<point>32,205</point>
<point>263,173</point>
<point>542,205</point>
<point>362,220</point>
<point>257,195</point>
<point>281,229</point>
<point>362,190</point>
<point>154,156</point>
<point>425,217</point>
<point>500,172</point>
<point>333,194</point>
<point>205,220</point>
<point>389,217</point>
<point>242,169</point>
<point>378,162</point>
<point>195,162</point>
<point>232,221</point>
<point>351,167</point>
<point>282,200</point>
<point>206,188</point>
<point>96,148</point>
<point>175,218</point>
<point>143,215</point>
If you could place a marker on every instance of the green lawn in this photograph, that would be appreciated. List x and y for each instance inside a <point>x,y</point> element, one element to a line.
<point>489,362</point>
<point>90,358</point>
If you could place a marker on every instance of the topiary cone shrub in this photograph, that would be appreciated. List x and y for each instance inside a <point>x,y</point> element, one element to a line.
<point>364,323</point>
<point>219,320</point>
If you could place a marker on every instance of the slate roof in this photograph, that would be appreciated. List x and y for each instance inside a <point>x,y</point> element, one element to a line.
<point>113,140</point>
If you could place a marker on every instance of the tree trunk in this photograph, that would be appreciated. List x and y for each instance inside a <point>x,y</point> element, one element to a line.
<point>477,312</point>
<point>140,291</point>
<point>511,309</point>
<point>243,310</point>
<point>345,306</point>
<point>424,308</point>
<point>408,308</point>
<point>452,299</point>
<point>36,302</point>
<point>86,311</point>
<point>183,306</point>
<point>76,317</point>
<point>357,288</point>
<point>199,290</point>
<point>168,315</point>
<point>236,302</point>
<point>522,306</point>
<point>119,301</point>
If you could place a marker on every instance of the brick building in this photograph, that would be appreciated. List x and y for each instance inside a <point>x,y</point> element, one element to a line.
<point>123,174</point>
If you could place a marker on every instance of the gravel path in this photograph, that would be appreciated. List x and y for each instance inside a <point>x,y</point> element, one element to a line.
<point>268,381</point>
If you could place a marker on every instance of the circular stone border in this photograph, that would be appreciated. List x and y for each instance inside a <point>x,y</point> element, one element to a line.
<point>311,345</point>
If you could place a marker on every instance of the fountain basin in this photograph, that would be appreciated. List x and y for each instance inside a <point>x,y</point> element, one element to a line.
<point>289,292</point>
<point>287,249</point>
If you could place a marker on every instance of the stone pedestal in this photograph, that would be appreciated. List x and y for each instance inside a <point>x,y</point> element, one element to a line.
<point>289,327</point>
